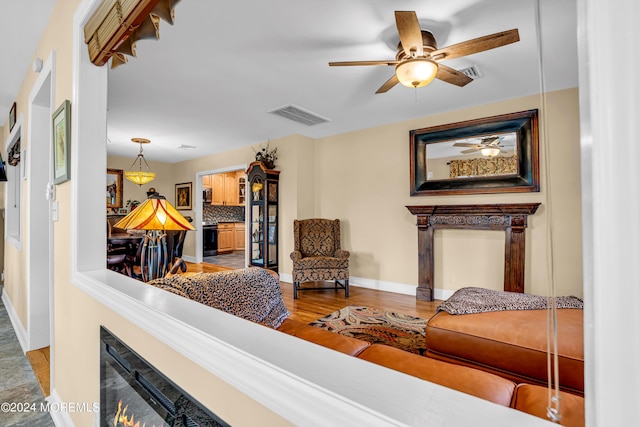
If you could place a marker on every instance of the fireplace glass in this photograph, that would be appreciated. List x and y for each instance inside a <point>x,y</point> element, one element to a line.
<point>133,392</point>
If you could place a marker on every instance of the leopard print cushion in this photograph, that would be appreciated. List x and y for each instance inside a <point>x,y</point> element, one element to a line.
<point>478,300</point>
<point>251,293</point>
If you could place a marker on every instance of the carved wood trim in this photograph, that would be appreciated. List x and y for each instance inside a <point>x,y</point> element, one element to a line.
<point>512,218</point>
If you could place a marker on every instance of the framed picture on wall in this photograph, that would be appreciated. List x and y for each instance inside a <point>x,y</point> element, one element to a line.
<point>61,135</point>
<point>12,117</point>
<point>114,188</point>
<point>183,196</point>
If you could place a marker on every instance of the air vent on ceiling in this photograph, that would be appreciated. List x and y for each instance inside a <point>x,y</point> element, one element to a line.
<point>472,72</point>
<point>185,147</point>
<point>300,115</point>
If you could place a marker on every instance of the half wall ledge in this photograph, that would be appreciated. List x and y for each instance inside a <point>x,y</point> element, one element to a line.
<point>512,218</point>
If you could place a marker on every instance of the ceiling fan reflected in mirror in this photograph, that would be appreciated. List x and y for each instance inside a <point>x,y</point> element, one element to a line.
<point>418,58</point>
<point>488,147</point>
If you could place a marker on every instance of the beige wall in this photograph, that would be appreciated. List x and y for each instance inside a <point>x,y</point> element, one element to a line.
<point>370,196</point>
<point>320,178</point>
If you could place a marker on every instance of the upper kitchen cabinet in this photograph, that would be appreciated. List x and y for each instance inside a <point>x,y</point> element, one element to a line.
<point>228,189</point>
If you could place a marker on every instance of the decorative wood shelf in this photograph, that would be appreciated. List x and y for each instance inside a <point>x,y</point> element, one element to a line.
<point>512,218</point>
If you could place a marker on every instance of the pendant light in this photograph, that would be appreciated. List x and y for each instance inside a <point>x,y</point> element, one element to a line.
<point>140,177</point>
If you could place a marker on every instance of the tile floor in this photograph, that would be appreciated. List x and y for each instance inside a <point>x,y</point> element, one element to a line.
<point>232,260</point>
<point>18,384</point>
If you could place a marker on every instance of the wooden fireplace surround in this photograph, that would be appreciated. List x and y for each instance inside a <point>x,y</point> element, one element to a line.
<point>512,218</point>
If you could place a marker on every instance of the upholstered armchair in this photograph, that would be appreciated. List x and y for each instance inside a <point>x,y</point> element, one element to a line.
<point>317,255</point>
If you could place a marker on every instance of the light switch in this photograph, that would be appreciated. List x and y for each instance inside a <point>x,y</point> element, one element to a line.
<point>54,211</point>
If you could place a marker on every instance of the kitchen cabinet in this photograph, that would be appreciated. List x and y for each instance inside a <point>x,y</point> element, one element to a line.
<point>238,236</point>
<point>217,198</point>
<point>230,237</point>
<point>242,180</point>
<point>225,237</point>
<point>226,189</point>
<point>206,181</point>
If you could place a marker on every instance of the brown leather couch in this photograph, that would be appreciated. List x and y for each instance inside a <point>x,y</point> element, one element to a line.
<point>511,344</point>
<point>527,398</point>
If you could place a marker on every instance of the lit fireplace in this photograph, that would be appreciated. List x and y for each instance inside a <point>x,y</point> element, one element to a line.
<point>134,394</point>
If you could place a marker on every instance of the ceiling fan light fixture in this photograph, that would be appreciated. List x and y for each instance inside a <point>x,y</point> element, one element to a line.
<point>416,72</point>
<point>490,151</point>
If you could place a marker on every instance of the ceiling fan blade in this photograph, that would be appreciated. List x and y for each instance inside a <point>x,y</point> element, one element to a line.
<point>480,44</point>
<point>388,84</point>
<point>350,63</point>
<point>453,76</point>
<point>409,31</point>
<point>469,151</point>
<point>465,144</point>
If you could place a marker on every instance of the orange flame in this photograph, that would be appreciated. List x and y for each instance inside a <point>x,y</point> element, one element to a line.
<point>122,419</point>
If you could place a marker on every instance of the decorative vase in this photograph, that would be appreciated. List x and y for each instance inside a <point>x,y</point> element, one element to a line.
<point>269,164</point>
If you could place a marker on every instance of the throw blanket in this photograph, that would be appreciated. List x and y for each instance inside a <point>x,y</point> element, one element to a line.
<point>479,300</point>
<point>251,293</point>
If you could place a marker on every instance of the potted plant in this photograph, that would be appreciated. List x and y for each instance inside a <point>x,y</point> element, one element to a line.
<point>266,155</point>
<point>132,204</point>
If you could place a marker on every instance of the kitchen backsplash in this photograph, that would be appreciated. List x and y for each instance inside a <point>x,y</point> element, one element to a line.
<point>223,213</point>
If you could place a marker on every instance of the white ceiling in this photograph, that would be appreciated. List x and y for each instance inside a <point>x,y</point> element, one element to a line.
<point>211,79</point>
<point>21,26</point>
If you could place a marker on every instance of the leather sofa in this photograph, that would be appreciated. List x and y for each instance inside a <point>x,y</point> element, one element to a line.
<point>511,344</point>
<point>529,398</point>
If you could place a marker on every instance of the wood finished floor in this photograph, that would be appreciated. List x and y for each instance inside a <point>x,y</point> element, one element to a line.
<point>310,306</point>
<point>40,362</point>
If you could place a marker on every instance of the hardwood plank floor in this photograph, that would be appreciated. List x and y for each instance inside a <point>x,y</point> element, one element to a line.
<point>312,305</point>
<point>40,362</point>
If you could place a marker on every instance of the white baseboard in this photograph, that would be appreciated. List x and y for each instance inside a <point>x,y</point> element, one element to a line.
<point>21,332</point>
<point>60,418</point>
<point>381,285</point>
<point>189,258</point>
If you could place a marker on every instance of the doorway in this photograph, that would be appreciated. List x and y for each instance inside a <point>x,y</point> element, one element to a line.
<point>39,248</point>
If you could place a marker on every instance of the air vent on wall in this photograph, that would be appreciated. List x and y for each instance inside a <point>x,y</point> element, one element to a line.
<point>300,115</point>
<point>472,72</point>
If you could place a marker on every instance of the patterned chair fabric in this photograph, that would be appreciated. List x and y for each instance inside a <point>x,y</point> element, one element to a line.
<point>317,255</point>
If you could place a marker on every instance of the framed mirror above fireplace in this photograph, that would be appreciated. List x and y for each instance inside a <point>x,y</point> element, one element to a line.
<point>498,154</point>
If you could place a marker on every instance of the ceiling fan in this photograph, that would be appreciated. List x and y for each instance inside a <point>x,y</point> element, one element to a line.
<point>489,146</point>
<point>418,57</point>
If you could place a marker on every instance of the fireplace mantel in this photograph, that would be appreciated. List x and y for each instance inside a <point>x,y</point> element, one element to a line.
<point>512,218</point>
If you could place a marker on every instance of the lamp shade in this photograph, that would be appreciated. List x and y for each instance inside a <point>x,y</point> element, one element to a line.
<point>416,72</point>
<point>140,177</point>
<point>154,214</point>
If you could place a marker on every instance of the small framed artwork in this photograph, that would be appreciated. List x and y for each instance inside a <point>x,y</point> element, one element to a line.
<point>61,136</point>
<point>183,196</point>
<point>12,117</point>
<point>123,211</point>
<point>114,188</point>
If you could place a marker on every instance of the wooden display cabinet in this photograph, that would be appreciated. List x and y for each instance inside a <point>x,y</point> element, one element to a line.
<point>263,194</point>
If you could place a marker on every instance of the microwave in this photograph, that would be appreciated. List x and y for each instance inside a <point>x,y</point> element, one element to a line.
<point>206,195</point>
